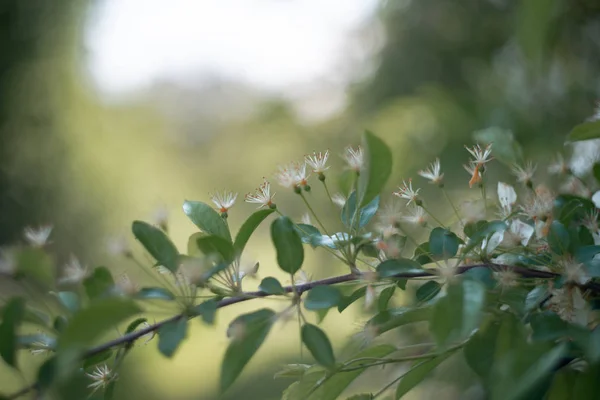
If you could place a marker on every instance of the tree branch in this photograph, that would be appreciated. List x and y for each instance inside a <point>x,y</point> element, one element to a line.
<point>133,336</point>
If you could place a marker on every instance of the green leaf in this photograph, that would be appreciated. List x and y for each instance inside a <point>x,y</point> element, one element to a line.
<point>99,283</point>
<point>309,234</point>
<point>271,285</point>
<point>419,372</point>
<point>376,169</point>
<point>504,148</point>
<point>585,131</point>
<point>12,316</point>
<point>483,275</point>
<point>348,300</point>
<point>216,245</point>
<point>558,238</point>
<point>397,317</point>
<point>134,324</point>
<point>384,298</point>
<point>443,244</point>
<point>318,344</point>
<point>69,300</point>
<point>294,371</point>
<point>472,228</point>
<point>548,326</point>
<point>90,323</point>
<point>596,171</point>
<point>97,359</point>
<point>322,297</point>
<point>248,228</point>
<point>568,207</point>
<point>422,255</point>
<point>207,219</point>
<point>364,396</point>
<point>170,336</point>
<point>36,264</point>
<point>154,293</point>
<point>290,253</point>
<point>593,348</point>
<point>364,214</point>
<point>535,297</point>
<point>428,291</point>
<point>405,266</point>
<point>158,244</point>
<point>207,310</point>
<point>254,329</point>
<point>457,314</point>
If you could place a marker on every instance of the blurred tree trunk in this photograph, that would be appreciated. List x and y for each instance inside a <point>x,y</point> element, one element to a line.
<point>39,43</point>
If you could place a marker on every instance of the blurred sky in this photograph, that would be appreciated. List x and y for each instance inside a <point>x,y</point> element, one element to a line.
<point>271,44</point>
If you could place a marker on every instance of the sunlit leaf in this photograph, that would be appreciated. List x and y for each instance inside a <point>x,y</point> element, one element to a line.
<point>158,244</point>
<point>318,344</point>
<point>207,219</point>
<point>376,169</point>
<point>349,213</point>
<point>290,252</point>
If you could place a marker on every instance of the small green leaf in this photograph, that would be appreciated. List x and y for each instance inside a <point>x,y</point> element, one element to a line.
<point>97,359</point>
<point>309,234</point>
<point>422,255</point>
<point>207,219</point>
<point>170,336</point>
<point>384,298</point>
<point>397,317</point>
<point>472,228</point>
<point>290,252</point>
<point>248,228</point>
<point>443,244</point>
<point>271,285</point>
<point>419,372</point>
<point>548,326</point>
<point>69,300</point>
<point>428,291</point>
<point>558,238</point>
<point>364,214</point>
<point>134,324</point>
<point>216,245</point>
<point>376,169</point>
<point>158,244</point>
<point>154,293</point>
<point>207,310</point>
<point>585,131</point>
<point>535,297</point>
<point>397,266</point>
<point>294,371</point>
<point>12,316</point>
<point>251,334</point>
<point>457,314</point>
<point>364,396</point>
<point>99,283</point>
<point>322,297</point>
<point>596,171</point>
<point>90,323</point>
<point>318,344</point>
<point>347,300</point>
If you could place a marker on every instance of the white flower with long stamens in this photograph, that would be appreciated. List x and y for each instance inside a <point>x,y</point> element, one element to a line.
<point>317,161</point>
<point>339,199</point>
<point>480,156</point>
<point>507,198</point>
<point>38,237</point>
<point>223,200</point>
<point>407,192</point>
<point>262,196</point>
<point>524,173</point>
<point>101,376</point>
<point>506,278</point>
<point>559,166</point>
<point>575,272</point>
<point>540,205</point>
<point>390,214</point>
<point>417,216</point>
<point>292,175</point>
<point>354,158</point>
<point>590,221</point>
<point>433,173</point>
<point>74,272</point>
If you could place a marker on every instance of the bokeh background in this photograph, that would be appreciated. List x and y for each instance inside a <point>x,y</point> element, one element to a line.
<point>113,109</point>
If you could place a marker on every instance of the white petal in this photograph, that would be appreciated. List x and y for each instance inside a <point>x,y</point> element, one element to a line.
<point>489,245</point>
<point>522,230</point>
<point>506,195</point>
<point>596,199</point>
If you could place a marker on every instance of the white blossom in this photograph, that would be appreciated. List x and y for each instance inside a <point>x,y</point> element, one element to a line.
<point>262,195</point>
<point>354,158</point>
<point>101,377</point>
<point>407,192</point>
<point>38,237</point>
<point>223,200</point>
<point>433,173</point>
<point>317,161</point>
